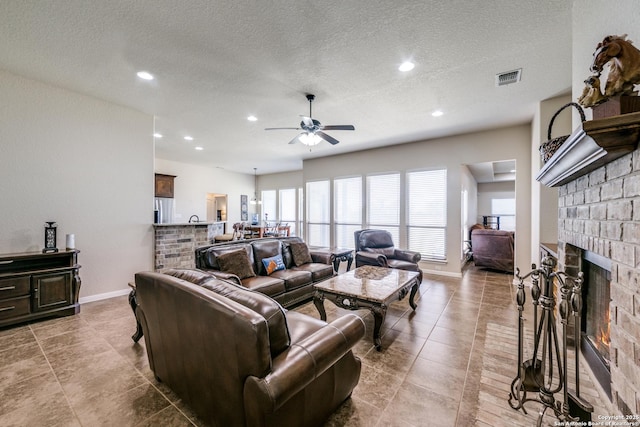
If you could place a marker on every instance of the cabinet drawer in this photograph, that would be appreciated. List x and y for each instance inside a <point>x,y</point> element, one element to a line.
<point>14,307</point>
<point>14,287</point>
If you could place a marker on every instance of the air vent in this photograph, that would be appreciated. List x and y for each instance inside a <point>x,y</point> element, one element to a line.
<point>508,77</point>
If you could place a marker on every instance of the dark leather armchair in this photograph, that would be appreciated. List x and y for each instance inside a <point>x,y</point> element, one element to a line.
<point>375,247</point>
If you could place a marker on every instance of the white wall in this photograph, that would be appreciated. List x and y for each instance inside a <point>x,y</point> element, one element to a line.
<point>451,152</point>
<point>86,164</point>
<point>468,184</point>
<point>544,212</point>
<point>193,182</point>
<point>277,181</point>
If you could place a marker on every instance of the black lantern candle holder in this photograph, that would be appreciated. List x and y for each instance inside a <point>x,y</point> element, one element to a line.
<point>50,238</point>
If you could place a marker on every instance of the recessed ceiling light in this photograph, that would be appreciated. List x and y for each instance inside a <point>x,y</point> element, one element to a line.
<point>437,113</point>
<point>252,118</point>
<point>199,148</point>
<point>157,135</point>
<point>406,66</point>
<point>145,75</point>
<point>188,138</point>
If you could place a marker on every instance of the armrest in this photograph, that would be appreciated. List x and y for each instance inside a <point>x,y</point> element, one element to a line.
<point>303,362</point>
<point>321,257</point>
<point>410,256</point>
<point>225,276</point>
<point>371,258</point>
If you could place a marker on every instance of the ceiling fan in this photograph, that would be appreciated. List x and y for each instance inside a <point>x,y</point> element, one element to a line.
<point>313,130</point>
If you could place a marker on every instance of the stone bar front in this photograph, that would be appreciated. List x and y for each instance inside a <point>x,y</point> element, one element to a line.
<point>175,244</point>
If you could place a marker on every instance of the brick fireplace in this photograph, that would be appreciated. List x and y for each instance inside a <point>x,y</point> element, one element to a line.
<point>599,213</point>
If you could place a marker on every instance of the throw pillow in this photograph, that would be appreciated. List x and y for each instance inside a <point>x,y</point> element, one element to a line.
<point>273,263</point>
<point>300,253</point>
<point>236,262</point>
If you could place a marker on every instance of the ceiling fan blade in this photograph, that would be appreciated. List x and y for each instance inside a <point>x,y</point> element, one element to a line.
<point>281,128</point>
<point>296,139</point>
<point>329,139</point>
<point>338,127</point>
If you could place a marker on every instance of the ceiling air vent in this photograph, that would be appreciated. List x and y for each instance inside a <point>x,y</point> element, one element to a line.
<point>508,77</point>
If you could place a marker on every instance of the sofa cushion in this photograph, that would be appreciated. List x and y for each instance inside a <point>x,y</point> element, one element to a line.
<point>268,308</point>
<point>300,253</point>
<point>318,271</point>
<point>211,255</point>
<point>236,262</point>
<point>294,279</point>
<point>265,248</point>
<point>273,263</point>
<point>388,252</point>
<point>268,285</point>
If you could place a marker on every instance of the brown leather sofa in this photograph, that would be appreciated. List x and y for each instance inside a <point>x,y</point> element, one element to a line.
<point>375,247</point>
<point>237,358</point>
<point>493,249</point>
<point>289,286</point>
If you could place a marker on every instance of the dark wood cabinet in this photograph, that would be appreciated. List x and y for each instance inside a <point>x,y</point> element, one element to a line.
<point>164,185</point>
<point>35,285</point>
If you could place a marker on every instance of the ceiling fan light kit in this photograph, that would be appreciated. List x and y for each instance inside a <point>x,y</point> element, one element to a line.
<point>309,139</point>
<point>313,130</point>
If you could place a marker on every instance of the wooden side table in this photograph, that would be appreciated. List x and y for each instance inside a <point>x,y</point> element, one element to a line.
<point>337,256</point>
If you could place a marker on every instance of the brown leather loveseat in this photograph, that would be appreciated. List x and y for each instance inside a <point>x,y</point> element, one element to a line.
<point>241,261</point>
<point>237,358</point>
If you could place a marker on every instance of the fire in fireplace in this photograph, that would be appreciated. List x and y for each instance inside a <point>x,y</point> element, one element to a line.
<point>596,320</point>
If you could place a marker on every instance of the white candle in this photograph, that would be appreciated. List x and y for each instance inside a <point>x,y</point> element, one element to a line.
<point>71,241</point>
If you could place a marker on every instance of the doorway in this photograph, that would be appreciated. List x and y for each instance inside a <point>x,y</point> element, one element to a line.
<point>216,207</point>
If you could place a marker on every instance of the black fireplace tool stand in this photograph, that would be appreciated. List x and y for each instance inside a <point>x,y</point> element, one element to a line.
<point>544,375</point>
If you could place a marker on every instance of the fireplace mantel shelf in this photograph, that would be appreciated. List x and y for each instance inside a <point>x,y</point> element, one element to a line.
<point>593,144</point>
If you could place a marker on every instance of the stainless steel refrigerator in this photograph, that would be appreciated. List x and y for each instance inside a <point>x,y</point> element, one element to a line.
<point>163,210</point>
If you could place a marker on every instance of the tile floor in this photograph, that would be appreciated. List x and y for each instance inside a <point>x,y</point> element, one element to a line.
<point>449,363</point>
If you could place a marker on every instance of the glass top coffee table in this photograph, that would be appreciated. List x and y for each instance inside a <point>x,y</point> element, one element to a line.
<point>367,287</point>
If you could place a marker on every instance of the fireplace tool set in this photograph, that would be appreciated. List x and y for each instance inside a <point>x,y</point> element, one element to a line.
<point>546,372</point>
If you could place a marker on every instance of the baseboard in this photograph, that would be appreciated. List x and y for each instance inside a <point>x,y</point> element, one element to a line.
<point>107,295</point>
<point>442,273</point>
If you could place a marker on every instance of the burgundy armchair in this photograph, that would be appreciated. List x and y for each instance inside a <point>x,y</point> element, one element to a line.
<point>375,247</point>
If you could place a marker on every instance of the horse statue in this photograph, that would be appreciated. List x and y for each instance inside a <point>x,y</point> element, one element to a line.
<point>591,94</point>
<point>624,65</point>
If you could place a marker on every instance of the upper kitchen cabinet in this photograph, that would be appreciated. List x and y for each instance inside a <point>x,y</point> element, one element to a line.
<point>164,185</point>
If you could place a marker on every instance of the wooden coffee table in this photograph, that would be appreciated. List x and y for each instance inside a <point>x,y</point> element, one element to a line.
<point>367,287</point>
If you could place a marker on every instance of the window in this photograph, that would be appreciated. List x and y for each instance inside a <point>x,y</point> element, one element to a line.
<point>427,212</point>
<point>318,213</point>
<point>506,210</point>
<point>288,208</point>
<point>347,213</point>
<point>383,203</point>
<point>269,205</point>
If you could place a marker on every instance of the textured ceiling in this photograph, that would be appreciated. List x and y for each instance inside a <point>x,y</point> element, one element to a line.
<point>217,62</point>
